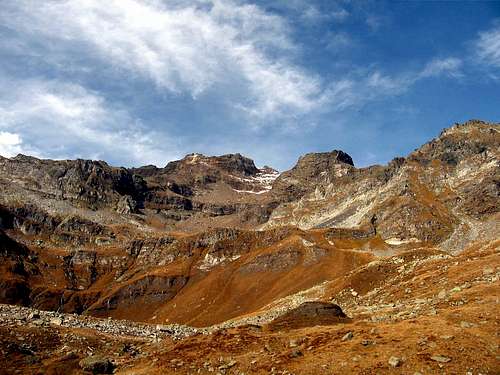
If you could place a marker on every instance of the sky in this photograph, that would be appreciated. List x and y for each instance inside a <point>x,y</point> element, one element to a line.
<point>137,82</point>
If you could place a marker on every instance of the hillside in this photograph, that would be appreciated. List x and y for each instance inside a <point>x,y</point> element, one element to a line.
<point>405,256</point>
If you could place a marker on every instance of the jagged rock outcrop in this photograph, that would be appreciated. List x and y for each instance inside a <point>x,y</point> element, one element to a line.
<point>89,183</point>
<point>309,170</point>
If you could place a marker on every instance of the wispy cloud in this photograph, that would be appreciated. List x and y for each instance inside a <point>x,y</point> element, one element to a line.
<point>58,120</point>
<point>313,11</point>
<point>195,48</point>
<point>450,67</point>
<point>338,41</point>
<point>374,85</point>
<point>487,46</point>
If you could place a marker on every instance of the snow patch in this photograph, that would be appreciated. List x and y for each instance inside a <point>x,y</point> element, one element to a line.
<point>252,192</point>
<point>399,241</point>
<point>307,243</point>
<point>263,180</point>
<point>211,261</point>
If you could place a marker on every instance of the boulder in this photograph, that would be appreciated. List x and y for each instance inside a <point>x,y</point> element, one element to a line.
<point>310,314</point>
<point>97,365</point>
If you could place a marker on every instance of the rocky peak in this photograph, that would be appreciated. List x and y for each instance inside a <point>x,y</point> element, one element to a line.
<point>314,164</point>
<point>323,159</point>
<point>236,163</point>
<point>459,142</point>
<point>311,168</point>
<point>232,163</point>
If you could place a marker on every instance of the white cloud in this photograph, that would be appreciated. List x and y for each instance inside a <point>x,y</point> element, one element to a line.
<point>10,144</point>
<point>449,67</point>
<point>183,47</point>
<point>488,46</point>
<point>61,120</point>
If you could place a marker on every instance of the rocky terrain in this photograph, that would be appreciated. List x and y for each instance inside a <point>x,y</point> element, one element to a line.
<point>212,265</point>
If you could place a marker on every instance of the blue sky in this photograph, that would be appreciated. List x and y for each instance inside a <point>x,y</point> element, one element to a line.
<point>137,82</point>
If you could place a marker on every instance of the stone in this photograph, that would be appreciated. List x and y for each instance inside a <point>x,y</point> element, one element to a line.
<point>488,271</point>
<point>348,336</point>
<point>97,365</point>
<point>294,353</point>
<point>228,365</point>
<point>56,321</point>
<point>395,361</point>
<point>440,358</point>
<point>34,315</point>
<point>126,205</point>
<point>465,324</point>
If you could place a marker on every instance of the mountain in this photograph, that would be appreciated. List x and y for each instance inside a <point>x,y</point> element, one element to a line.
<point>444,190</point>
<point>214,241</point>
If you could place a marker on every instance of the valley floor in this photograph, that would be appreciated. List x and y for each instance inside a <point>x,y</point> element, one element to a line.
<point>437,315</point>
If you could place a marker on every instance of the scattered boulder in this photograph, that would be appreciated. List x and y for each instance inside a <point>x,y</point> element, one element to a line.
<point>294,353</point>
<point>97,365</point>
<point>440,358</point>
<point>348,336</point>
<point>395,361</point>
<point>465,324</point>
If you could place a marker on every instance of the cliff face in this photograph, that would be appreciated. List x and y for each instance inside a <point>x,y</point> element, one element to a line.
<point>222,238</point>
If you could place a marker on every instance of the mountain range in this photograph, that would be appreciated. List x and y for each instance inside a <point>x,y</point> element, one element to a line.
<point>284,269</point>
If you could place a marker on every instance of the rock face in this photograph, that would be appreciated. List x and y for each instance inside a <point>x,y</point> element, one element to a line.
<point>93,184</point>
<point>223,238</point>
<point>16,267</point>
